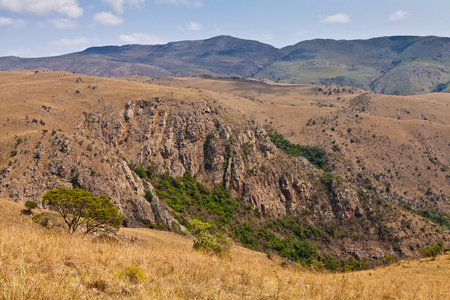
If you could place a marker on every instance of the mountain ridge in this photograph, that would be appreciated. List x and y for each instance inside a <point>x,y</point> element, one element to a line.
<point>398,65</point>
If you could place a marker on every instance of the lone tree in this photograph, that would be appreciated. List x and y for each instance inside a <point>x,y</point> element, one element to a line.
<point>29,206</point>
<point>207,241</point>
<point>79,207</point>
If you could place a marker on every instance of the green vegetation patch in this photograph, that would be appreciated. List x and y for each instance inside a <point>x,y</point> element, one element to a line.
<point>213,214</point>
<point>433,216</point>
<point>314,155</point>
<point>186,195</point>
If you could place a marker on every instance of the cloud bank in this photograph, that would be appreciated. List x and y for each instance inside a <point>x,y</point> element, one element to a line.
<point>398,15</point>
<point>68,8</point>
<point>107,18</point>
<point>336,19</point>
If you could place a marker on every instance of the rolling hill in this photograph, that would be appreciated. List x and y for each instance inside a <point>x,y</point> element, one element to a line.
<point>368,179</point>
<point>398,65</point>
<point>38,263</point>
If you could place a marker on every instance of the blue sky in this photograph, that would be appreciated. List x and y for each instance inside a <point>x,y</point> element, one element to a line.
<point>36,28</point>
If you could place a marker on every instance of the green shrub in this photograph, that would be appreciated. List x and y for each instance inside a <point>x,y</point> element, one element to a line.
<point>37,217</point>
<point>433,250</point>
<point>30,204</point>
<point>354,265</point>
<point>208,242</point>
<point>433,216</point>
<point>41,219</point>
<point>388,258</point>
<point>314,155</point>
<point>133,274</point>
<point>149,196</point>
<point>207,152</point>
<point>140,171</point>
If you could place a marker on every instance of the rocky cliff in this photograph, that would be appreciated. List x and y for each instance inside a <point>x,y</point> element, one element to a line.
<point>173,137</point>
<point>107,132</point>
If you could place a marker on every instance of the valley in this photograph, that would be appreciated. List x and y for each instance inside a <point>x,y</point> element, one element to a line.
<point>168,149</point>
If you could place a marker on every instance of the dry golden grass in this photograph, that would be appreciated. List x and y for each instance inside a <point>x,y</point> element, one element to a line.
<point>37,263</point>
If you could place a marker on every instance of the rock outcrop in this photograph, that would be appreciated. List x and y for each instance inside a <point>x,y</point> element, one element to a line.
<point>172,137</point>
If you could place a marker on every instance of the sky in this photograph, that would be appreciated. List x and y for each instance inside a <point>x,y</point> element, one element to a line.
<point>40,28</point>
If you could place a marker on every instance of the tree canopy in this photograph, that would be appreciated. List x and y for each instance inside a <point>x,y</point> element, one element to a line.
<point>79,207</point>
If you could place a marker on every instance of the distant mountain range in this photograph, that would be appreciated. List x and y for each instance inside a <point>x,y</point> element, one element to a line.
<point>399,65</point>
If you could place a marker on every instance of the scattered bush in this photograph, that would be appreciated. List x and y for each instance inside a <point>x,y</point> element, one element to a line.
<point>30,205</point>
<point>388,259</point>
<point>41,219</point>
<point>433,216</point>
<point>208,242</point>
<point>140,171</point>
<point>432,251</point>
<point>148,196</point>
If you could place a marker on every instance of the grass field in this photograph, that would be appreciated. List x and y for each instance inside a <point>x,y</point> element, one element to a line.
<point>38,263</point>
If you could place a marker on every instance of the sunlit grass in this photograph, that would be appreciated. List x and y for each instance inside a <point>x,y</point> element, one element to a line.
<point>37,263</point>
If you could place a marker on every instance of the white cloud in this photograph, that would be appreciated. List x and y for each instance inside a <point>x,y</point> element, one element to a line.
<point>179,3</point>
<point>118,6</point>
<point>140,38</point>
<point>194,26</point>
<point>338,18</point>
<point>107,18</point>
<point>17,23</point>
<point>69,8</point>
<point>5,21</point>
<point>70,42</point>
<point>398,15</point>
<point>63,23</point>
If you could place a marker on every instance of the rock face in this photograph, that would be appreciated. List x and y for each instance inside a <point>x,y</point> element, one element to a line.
<point>196,139</point>
<point>172,137</point>
<point>345,201</point>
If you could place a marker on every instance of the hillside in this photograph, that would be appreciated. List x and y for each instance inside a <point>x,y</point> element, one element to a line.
<point>40,263</point>
<point>397,142</point>
<point>398,65</point>
<point>164,154</point>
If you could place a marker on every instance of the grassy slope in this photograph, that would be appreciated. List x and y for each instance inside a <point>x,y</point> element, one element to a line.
<point>37,263</point>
